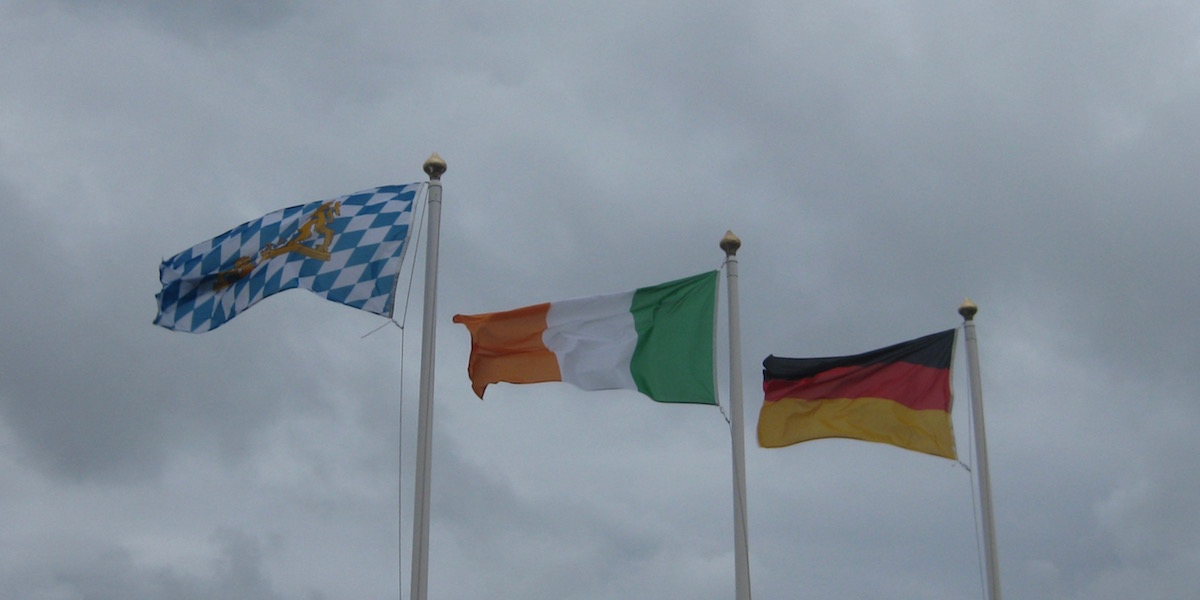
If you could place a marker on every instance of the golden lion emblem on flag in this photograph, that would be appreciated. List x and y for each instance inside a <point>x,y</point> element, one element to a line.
<point>317,226</point>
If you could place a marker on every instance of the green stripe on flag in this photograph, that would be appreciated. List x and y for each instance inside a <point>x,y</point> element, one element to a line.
<point>675,323</point>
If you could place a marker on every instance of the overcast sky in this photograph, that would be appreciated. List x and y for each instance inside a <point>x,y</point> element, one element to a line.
<point>879,161</point>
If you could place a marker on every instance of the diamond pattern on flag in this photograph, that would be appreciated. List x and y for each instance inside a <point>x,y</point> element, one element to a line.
<point>347,250</point>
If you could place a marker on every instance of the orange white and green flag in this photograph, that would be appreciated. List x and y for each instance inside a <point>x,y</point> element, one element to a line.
<point>899,395</point>
<point>656,340</point>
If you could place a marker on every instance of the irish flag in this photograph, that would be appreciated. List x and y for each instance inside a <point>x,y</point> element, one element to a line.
<point>657,340</point>
<point>898,395</point>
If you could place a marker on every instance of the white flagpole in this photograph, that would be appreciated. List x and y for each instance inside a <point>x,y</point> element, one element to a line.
<point>434,167</point>
<point>992,569</point>
<point>741,566</point>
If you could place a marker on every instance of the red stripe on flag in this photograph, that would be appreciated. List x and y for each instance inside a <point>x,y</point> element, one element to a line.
<point>915,386</point>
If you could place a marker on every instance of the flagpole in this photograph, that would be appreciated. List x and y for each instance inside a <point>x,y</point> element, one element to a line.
<point>741,566</point>
<point>434,167</point>
<point>992,569</point>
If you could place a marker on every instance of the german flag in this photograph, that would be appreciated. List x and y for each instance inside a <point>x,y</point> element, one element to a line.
<point>898,395</point>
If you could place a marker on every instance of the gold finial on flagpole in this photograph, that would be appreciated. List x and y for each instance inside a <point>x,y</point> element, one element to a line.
<point>730,243</point>
<point>968,309</point>
<point>435,166</point>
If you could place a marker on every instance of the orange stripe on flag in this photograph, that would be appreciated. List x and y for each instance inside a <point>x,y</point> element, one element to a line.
<point>507,347</point>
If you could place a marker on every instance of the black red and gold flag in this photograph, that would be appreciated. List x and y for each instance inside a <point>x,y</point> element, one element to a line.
<point>899,395</point>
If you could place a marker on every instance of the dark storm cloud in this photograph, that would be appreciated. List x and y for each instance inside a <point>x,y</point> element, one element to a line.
<point>108,572</point>
<point>190,18</point>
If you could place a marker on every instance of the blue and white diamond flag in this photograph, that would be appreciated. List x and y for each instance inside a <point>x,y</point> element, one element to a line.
<point>347,250</point>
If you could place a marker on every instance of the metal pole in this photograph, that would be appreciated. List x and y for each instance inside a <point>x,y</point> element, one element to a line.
<point>741,568</point>
<point>992,569</point>
<point>434,167</point>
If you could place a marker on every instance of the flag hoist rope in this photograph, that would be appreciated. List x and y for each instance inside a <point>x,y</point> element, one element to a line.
<point>414,239</point>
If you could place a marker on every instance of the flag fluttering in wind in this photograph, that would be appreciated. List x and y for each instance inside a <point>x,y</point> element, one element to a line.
<point>657,340</point>
<point>898,395</point>
<point>347,250</point>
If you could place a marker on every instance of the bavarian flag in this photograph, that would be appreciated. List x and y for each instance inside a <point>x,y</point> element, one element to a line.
<point>347,250</point>
<point>899,395</point>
